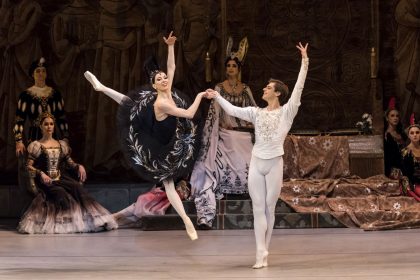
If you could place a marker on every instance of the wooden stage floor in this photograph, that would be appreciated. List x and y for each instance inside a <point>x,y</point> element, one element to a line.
<point>338,253</point>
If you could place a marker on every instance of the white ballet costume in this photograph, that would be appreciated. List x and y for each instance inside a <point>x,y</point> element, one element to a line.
<point>266,168</point>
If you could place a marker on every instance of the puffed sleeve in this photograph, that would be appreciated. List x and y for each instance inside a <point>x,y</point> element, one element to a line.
<point>65,148</point>
<point>34,151</point>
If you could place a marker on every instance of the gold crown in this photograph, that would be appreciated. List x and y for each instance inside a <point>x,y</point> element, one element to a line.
<point>43,116</point>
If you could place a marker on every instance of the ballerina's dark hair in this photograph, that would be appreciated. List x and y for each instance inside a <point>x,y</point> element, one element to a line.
<point>151,67</point>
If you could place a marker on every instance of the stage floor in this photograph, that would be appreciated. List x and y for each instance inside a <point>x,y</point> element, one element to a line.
<point>133,254</point>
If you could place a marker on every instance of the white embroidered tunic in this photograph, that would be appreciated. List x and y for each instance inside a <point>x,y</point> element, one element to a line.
<point>271,127</point>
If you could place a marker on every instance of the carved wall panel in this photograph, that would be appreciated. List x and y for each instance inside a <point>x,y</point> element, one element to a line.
<point>337,88</point>
<point>336,94</point>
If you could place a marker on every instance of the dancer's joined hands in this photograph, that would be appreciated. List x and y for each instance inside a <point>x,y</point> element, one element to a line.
<point>210,93</point>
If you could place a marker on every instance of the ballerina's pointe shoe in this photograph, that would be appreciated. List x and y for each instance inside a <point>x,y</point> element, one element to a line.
<point>189,226</point>
<point>93,80</point>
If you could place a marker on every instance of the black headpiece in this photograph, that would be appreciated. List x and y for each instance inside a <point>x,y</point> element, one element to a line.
<point>151,67</point>
<point>37,63</point>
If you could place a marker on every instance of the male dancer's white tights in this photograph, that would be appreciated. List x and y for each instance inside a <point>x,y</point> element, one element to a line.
<point>264,182</point>
<point>171,193</point>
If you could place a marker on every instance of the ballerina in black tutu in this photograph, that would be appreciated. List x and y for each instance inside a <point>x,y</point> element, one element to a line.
<point>159,137</point>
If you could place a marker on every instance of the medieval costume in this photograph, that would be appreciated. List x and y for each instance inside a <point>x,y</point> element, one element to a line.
<point>22,47</point>
<point>223,162</point>
<point>410,182</point>
<point>64,206</point>
<point>33,102</point>
<point>394,141</point>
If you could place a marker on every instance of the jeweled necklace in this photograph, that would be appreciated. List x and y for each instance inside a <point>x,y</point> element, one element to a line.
<point>233,87</point>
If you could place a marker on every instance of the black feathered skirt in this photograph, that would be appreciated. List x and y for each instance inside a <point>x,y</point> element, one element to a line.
<point>157,150</point>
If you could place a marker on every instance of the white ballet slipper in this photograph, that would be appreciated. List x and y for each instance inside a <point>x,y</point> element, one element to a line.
<point>261,260</point>
<point>189,226</point>
<point>93,81</point>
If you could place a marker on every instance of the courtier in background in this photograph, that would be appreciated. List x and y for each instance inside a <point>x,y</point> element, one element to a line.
<point>61,205</point>
<point>410,182</point>
<point>20,46</point>
<point>34,101</point>
<point>223,163</point>
<point>394,140</point>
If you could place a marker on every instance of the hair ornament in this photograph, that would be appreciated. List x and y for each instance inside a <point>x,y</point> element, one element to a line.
<point>242,50</point>
<point>413,122</point>
<point>43,116</point>
<point>391,104</point>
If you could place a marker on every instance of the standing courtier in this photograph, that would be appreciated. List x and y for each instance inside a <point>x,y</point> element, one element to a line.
<point>223,162</point>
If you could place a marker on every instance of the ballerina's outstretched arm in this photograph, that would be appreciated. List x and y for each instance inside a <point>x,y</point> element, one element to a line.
<point>98,86</point>
<point>170,41</point>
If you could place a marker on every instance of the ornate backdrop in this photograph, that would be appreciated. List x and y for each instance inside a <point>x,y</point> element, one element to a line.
<point>112,38</point>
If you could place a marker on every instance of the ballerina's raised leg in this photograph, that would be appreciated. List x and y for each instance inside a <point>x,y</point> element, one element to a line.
<point>171,193</point>
<point>98,86</point>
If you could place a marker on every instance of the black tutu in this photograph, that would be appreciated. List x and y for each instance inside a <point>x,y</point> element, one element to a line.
<point>157,150</point>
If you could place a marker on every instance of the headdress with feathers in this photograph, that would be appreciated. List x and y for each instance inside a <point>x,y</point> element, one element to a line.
<point>413,122</point>
<point>391,106</point>
<point>242,50</point>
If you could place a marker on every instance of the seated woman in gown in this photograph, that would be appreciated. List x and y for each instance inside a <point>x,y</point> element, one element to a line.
<point>61,205</point>
<point>223,162</point>
<point>394,141</point>
<point>410,182</point>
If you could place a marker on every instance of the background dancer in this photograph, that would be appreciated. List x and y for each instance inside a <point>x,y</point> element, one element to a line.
<point>223,162</point>
<point>61,205</point>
